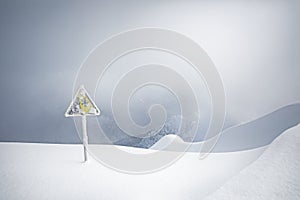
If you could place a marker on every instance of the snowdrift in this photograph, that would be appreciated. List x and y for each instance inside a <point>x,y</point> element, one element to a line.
<point>246,136</point>
<point>275,175</point>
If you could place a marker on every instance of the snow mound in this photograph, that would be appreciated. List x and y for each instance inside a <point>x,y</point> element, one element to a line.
<point>170,141</point>
<point>175,143</point>
<point>275,175</point>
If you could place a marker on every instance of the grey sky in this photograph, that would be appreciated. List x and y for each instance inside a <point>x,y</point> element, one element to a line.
<point>254,45</point>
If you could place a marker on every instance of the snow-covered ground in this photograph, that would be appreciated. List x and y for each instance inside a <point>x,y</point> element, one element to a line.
<point>43,171</point>
<point>50,171</point>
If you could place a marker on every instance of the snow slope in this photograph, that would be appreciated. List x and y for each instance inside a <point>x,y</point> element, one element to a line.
<point>275,175</point>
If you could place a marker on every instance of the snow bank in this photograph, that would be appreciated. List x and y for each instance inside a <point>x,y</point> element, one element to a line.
<point>275,175</point>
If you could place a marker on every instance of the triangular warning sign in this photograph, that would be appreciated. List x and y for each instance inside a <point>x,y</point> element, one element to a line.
<point>82,104</point>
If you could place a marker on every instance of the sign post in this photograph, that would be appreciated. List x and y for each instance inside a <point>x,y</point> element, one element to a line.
<point>82,106</point>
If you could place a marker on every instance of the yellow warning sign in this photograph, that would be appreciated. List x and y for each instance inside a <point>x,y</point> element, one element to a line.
<point>82,104</point>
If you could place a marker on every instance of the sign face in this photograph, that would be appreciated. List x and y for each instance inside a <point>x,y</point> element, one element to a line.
<point>82,104</point>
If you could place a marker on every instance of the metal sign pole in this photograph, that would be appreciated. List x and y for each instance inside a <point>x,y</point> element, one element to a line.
<point>84,137</point>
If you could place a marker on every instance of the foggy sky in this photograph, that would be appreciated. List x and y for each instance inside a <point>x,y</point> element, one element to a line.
<point>254,45</point>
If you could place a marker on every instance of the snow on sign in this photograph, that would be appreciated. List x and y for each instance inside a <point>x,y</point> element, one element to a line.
<point>82,104</point>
